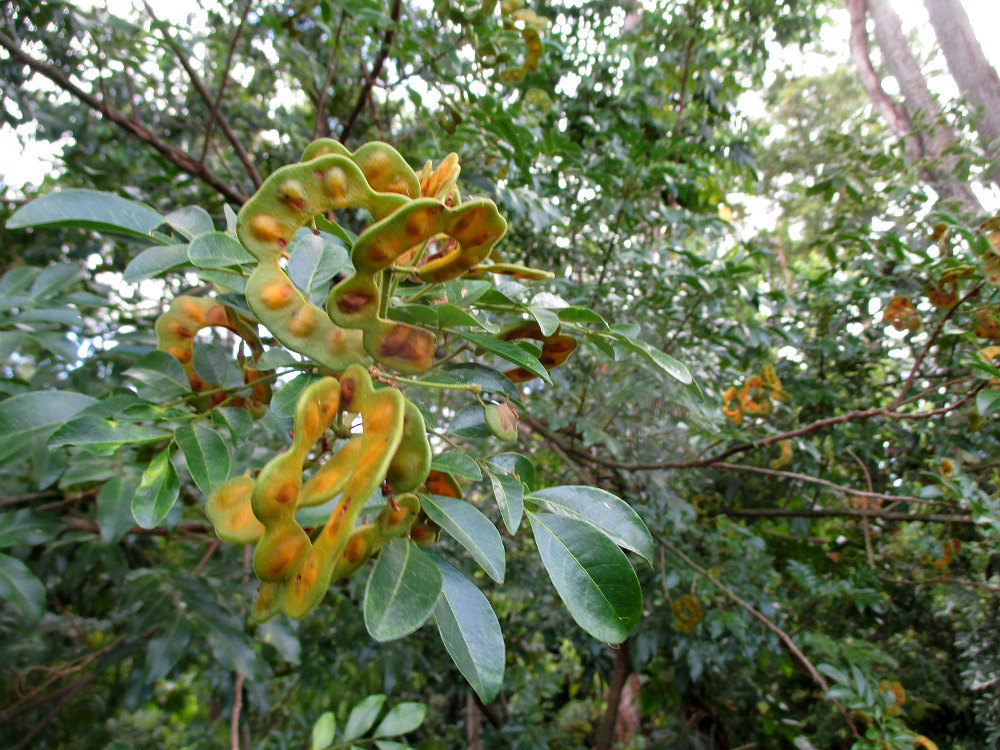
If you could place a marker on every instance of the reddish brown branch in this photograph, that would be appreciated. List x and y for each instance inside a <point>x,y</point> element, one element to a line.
<point>841,512</point>
<point>376,71</point>
<point>214,111</point>
<point>321,127</point>
<point>181,159</point>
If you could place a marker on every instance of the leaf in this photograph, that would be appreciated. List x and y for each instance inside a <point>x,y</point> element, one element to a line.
<point>581,315</point>
<point>21,587</point>
<point>470,632</point>
<point>162,376</point>
<point>274,358</point>
<point>323,731</point>
<point>450,316</point>
<point>508,351</point>
<point>402,718</point>
<point>509,493</point>
<point>661,360</point>
<point>548,321</point>
<point>27,527</point>
<point>191,221</point>
<point>285,398</point>
<point>458,463</point>
<point>157,492</point>
<point>10,342</point>
<point>88,209</point>
<point>237,421</point>
<point>313,262</point>
<point>470,423</point>
<point>604,511</point>
<point>156,260</point>
<point>591,574</point>
<point>470,528</point>
<point>362,716</point>
<point>114,514</point>
<point>487,377</point>
<point>987,401</point>
<point>35,413</point>
<point>516,464</point>
<point>55,278</point>
<point>215,366</point>
<point>206,455</point>
<point>217,250</point>
<point>401,592</point>
<point>104,436</point>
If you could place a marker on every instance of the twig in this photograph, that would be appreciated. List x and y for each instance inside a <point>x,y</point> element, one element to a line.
<point>214,112</point>
<point>181,159</point>
<point>234,717</point>
<point>865,522</point>
<point>941,579</point>
<point>841,512</point>
<point>376,71</point>
<point>786,640</point>
<point>36,728</point>
<point>206,557</point>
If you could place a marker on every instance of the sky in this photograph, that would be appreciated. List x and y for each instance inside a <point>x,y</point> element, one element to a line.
<point>27,161</point>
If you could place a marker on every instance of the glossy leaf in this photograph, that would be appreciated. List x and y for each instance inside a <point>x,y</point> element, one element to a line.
<point>470,632</point>
<point>402,718</point>
<point>21,587</point>
<point>323,731</point>
<point>401,592</point>
<point>36,413</point>
<point>27,527</point>
<point>457,463</point>
<point>206,454</point>
<point>157,491</point>
<point>470,528</point>
<point>509,493</point>
<point>156,260</point>
<point>114,512</point>
<point>605,511</point>
<point>217,250</point>
<point>88,209</point>
<point>362,716</point>
<point>508,351</point>
<point>591,574</point>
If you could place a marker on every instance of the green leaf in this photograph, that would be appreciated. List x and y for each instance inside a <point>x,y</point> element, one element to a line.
<point>114,514</point>
<point>661,360</point>
<point>21,587</point>
<point>10,342</point>
<point>156,260</point>
<point>104,436</point>
<point>217,250</point>
<point>391,745</point>
<point>285,398</point>
<point>88,209</point>
<point>591,574</point>
<point>34,414</point>
<point>516,464</point>
<point>508,351</point>
<point>987,401</point>
<point>402,718</point>
<point>274,358</point>
<point>580,315</point>
<point>313,262</point>
<point>605,511</point>
<point>487,377</point>
<point>548,321</point>
<point>470,632</point>
<point>27,527</point>
<point>234,283</point>
<point>471,529</point>
<point>206,454</point>
<point>215,366</point>
<point>450,316</point>
<point>162,376</point>
<point>401,592</point>
<point>470,423</point>
<point>237,421</point>
<point>191,221</point>
<point>509,493</point>
<point>323,731</point>
<point>55,278</point>
<point>157,492</point>
<point>362,716</point>
<point>458,463</point>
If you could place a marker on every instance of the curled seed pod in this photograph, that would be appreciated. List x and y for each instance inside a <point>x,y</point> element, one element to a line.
<point>385,170</point>
<point>687,613</point>
<point>228,508</point>
<point>355,302</point>
<point>175,332</point>
<point>987,326</point>
<point>512,269</point>
<point>396,519</point>
<point>412,461</point>
<point>555,348</point>
<point>785,457</point>
<point>755,397</point>
<point>266,225</point>
<point>732,406</point>
<point>266,605</point>
<point>382,429</point>
<point>502,420</point>
<point>442,483</point>
<point>329,479</point>
<point>363,542</point>
<point>423,531</point>
<point>284,543</point>
<point>901,314</point>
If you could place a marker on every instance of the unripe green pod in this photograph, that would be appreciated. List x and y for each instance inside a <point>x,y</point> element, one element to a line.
<point>412,462</point>
<point>396,518</point>
<point>383,167</point>
<point>228,508</point>
<point>502,420</point>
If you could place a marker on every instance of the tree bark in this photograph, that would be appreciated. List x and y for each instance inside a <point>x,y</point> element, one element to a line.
<point>929,138</point>
<point>977,80</point>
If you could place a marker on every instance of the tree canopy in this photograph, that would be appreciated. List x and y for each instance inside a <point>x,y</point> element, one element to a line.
<point>610,413</point>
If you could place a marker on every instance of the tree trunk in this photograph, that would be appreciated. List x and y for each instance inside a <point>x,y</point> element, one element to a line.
<point>975,77</point>
<point>929,137</point>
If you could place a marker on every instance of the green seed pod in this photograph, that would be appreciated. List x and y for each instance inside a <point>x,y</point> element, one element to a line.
<point>412,462</point>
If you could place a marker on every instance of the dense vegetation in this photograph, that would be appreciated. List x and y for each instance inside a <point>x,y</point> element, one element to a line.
<point>784,363</point>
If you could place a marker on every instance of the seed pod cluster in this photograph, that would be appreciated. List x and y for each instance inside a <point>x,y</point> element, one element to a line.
<point>175,332</point>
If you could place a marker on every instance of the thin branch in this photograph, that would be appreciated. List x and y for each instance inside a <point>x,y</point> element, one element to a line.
<point>605,734</point>
<point>234,717</point>
<point>37,727</point>
<point>214,110</point>
<point>322,127</point>
<point>894,116</point>
<point>866,522</point>
<point>206,96</point>
<point>841,512</point>
<point>376,71</point>
<point>181,159</point>
<point>785,639</point>
<point>941,579</point>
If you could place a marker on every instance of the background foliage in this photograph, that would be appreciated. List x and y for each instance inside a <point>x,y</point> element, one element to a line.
<point>821,574</point>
